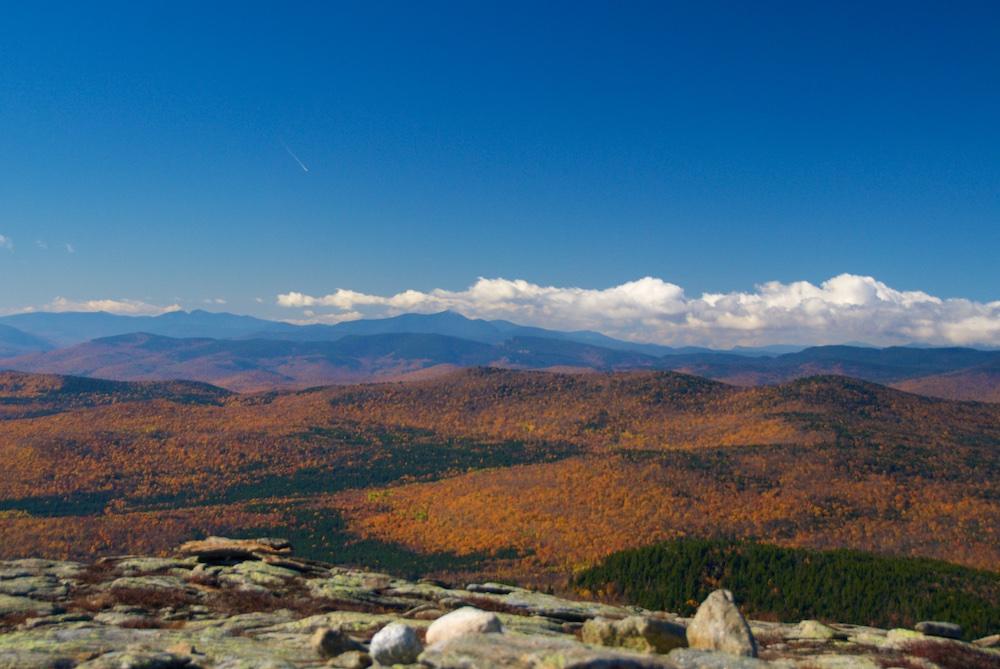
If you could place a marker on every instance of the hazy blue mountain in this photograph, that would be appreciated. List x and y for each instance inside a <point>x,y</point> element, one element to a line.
<point>745,365</point>
<point>446,323</point>
<point>17,342</point>
<point>769,350</point>
<point>880,365</point>
<point>452,324</point>
<point>389,348</point>
<point>67,328</point>
<point>255,364</point>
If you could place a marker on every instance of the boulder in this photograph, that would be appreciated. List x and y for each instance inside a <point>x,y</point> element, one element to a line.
<point>465,620</point>
<point>395,643</point>
<point>813,629</point>
<point>640,633</point>
<point>328,642</point>
<point>719,625</point>
<point>939,628</point>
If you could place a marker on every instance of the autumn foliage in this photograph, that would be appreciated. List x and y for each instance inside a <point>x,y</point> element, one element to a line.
<point>550,471</point>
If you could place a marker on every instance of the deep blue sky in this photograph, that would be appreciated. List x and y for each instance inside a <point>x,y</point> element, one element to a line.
<point>714,145</point>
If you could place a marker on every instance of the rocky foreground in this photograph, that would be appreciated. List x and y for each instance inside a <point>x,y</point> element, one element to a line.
<point>238,604</point>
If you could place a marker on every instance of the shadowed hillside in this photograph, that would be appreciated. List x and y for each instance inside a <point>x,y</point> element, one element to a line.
<point>265,364</point>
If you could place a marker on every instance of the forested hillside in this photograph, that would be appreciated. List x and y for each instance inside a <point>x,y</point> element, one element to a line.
<point>510,473</point>
<point>794,584</point>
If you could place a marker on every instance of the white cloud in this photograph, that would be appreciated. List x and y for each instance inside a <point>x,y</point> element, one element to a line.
<point>42,244</point>
<point>844,308</point>
<point>124,307</point>
<point>70,248</point>
<point>214,300</point>
<point>6,243</point>
<point>310,317</point>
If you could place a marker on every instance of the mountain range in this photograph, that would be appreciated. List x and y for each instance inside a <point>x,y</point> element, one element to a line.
<point>244,353</point>
<point>68,328</point>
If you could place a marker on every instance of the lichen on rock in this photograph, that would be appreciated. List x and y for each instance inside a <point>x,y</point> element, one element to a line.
<point>251,604</point>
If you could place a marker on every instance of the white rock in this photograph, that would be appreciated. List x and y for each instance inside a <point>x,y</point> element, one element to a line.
<point>466,620</point>
<point>719,625</point>
<point>395,643</point>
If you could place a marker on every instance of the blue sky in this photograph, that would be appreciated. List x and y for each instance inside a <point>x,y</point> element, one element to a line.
<point>715,146</point>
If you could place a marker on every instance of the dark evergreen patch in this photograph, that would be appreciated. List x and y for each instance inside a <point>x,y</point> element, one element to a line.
<point>796,584</point>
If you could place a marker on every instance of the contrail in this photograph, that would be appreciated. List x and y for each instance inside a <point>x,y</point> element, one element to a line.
<point>292,154</point>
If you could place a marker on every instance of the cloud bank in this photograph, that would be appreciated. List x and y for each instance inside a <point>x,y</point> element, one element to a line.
<point>845,308</point>
<point>124,307</point>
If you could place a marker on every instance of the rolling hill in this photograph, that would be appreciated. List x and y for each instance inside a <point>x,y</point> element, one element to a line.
<point>509,473</point>
<point>980,383</point>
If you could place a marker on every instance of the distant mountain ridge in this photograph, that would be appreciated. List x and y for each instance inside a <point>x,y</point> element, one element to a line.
<point>881,365</point>
<point>17,342</point>
<point>69,328</point>
<point>244,353</point>
<point>259,364</point>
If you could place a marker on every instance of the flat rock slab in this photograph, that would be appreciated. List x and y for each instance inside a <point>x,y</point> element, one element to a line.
<point>45,587</point>
<point>39,567</point>
<point>512,651</point>
<point>689,658</point>
<point>137,566</point>
<point>138,660</point>
<point>220,548</point>
<point>528,602</point>
<point>10,604</point>
<point>30,659</point>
